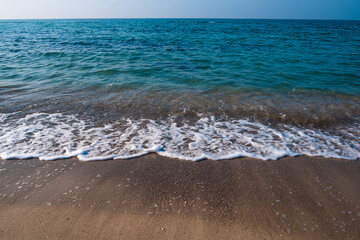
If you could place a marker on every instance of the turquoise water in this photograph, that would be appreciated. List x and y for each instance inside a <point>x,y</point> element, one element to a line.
<point>195,73</point>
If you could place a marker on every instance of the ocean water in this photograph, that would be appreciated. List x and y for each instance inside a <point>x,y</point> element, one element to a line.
<point>184,88</point>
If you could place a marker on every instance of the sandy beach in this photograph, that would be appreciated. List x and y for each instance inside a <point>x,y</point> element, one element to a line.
<point>153,197</point>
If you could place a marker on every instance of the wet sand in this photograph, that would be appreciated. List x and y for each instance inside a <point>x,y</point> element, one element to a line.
<point>154,197</point>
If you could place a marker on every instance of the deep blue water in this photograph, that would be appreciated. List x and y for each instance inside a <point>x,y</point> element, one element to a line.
<point>302,73</point>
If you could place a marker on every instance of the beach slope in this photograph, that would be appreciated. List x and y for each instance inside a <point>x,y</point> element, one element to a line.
<point>154,197</point>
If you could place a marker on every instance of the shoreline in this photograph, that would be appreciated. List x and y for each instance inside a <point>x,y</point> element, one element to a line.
<point>157,197</point>
<point>154,153</point>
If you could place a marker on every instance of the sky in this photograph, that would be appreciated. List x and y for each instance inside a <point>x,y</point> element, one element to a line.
<point>279,9</point>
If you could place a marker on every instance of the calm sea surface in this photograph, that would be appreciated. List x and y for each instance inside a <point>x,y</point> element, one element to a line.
<point>184,88</point>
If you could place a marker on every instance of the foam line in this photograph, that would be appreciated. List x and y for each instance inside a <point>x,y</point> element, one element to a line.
<point>58,136</point>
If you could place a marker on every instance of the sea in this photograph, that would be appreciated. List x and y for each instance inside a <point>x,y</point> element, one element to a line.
<point>191,89</point>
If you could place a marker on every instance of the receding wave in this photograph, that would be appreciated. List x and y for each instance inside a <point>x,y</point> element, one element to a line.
<point>302,109</point>
<point>57,136</point>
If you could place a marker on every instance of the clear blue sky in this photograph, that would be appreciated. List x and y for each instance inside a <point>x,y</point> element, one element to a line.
<point>304,9</point>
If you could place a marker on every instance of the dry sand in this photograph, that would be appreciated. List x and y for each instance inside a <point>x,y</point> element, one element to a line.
<point>154,197</point>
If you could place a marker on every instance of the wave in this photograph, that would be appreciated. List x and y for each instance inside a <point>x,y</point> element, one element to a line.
<point>58,136</point>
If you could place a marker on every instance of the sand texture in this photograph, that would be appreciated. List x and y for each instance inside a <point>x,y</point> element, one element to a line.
<point>154,197</point>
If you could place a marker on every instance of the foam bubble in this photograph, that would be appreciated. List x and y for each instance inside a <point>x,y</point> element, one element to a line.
<point>57,136</point>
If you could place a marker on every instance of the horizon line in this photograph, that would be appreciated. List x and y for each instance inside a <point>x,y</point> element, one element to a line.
<point>219,18</point>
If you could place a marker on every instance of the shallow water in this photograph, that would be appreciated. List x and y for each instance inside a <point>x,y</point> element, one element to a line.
<point>190,88</point>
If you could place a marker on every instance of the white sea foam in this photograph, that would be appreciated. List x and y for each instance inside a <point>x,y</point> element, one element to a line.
<point>56,136</point>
